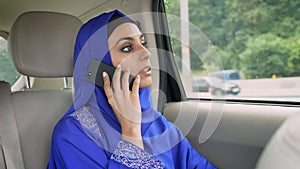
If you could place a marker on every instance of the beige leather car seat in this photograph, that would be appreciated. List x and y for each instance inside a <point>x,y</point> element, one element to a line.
<point>283,150</point>
<point>10,150</point>
<point>41,45</point>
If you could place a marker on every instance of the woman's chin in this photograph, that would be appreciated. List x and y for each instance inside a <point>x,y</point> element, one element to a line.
<point>145,82</point>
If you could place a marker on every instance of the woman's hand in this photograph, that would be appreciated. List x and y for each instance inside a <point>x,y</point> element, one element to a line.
<point>125,104</point>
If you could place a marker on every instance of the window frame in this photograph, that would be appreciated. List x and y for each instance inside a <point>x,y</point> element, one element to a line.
<point>164,42</point>
<point>170,84</point>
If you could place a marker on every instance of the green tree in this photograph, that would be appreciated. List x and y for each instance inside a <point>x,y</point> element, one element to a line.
<point>7,70</point>
<point>264,56</point>
<point>294,59</point>
<point>257,37</point>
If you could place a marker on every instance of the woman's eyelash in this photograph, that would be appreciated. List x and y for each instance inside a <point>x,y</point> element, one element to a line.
<point>126,48</point>
<point>144,44</point>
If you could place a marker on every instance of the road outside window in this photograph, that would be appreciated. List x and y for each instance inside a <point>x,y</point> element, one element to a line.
<point>237,49</point>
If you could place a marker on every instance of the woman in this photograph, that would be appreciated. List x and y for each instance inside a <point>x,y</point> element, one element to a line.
<point>111,126</point>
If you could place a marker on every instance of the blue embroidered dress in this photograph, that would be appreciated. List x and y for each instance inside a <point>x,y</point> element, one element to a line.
<point>89,136</point>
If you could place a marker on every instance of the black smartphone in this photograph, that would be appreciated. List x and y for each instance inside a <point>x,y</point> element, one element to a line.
<point>95,73</point>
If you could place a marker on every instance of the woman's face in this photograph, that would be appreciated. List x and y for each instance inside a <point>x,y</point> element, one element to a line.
<point>126,44</point>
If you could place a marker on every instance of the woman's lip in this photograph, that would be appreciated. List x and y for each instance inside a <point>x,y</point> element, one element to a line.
<point>148,72</point>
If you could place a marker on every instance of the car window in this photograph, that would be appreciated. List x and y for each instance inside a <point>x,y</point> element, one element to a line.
<point>8,72</point>
<point>234,75</point>
<point>253,44</point>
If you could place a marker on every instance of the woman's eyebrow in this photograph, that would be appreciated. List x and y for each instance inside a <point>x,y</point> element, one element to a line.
<point>127,38</point>
<point>124,38</point>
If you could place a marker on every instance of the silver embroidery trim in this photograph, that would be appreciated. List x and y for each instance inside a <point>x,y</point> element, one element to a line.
<point>134,157</point>
<point>87,120</point>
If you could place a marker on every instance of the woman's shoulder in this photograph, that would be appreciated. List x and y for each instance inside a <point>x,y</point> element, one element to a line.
<point>160,119</point>
<point>161,124</point>
<point>87,120</point>
<point>71,124</point>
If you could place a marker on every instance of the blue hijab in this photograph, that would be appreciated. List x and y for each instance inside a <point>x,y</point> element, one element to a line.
<point>90,141</point>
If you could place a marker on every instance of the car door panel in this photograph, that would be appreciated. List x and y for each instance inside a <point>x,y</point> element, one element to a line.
<point>241,133</point>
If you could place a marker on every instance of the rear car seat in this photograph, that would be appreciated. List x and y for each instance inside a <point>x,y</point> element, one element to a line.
<point>10,150</point>
<point>41,45</point>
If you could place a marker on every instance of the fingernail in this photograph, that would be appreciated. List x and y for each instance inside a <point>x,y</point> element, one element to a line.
<point>104,74</point>
<point>118,66</point>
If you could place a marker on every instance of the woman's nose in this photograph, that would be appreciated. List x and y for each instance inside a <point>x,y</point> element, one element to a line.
<point>145,54</point>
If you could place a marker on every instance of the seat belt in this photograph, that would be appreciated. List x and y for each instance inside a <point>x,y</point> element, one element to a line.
<point>2,160</point>
<point>10,143</point>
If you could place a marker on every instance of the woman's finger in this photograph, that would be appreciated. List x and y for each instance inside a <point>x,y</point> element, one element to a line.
<point>125,83</point>
<point>107,88</point>
<point>116,79</point>
<point>136,85</point>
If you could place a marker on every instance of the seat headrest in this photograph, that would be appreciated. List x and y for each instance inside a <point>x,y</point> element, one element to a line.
<point>41,44</point>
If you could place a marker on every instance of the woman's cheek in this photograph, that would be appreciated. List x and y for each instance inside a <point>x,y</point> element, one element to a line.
<point>132,65</point>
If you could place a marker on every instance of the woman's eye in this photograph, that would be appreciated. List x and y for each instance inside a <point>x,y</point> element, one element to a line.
<point>126,48</point>
<point>144,44</point>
